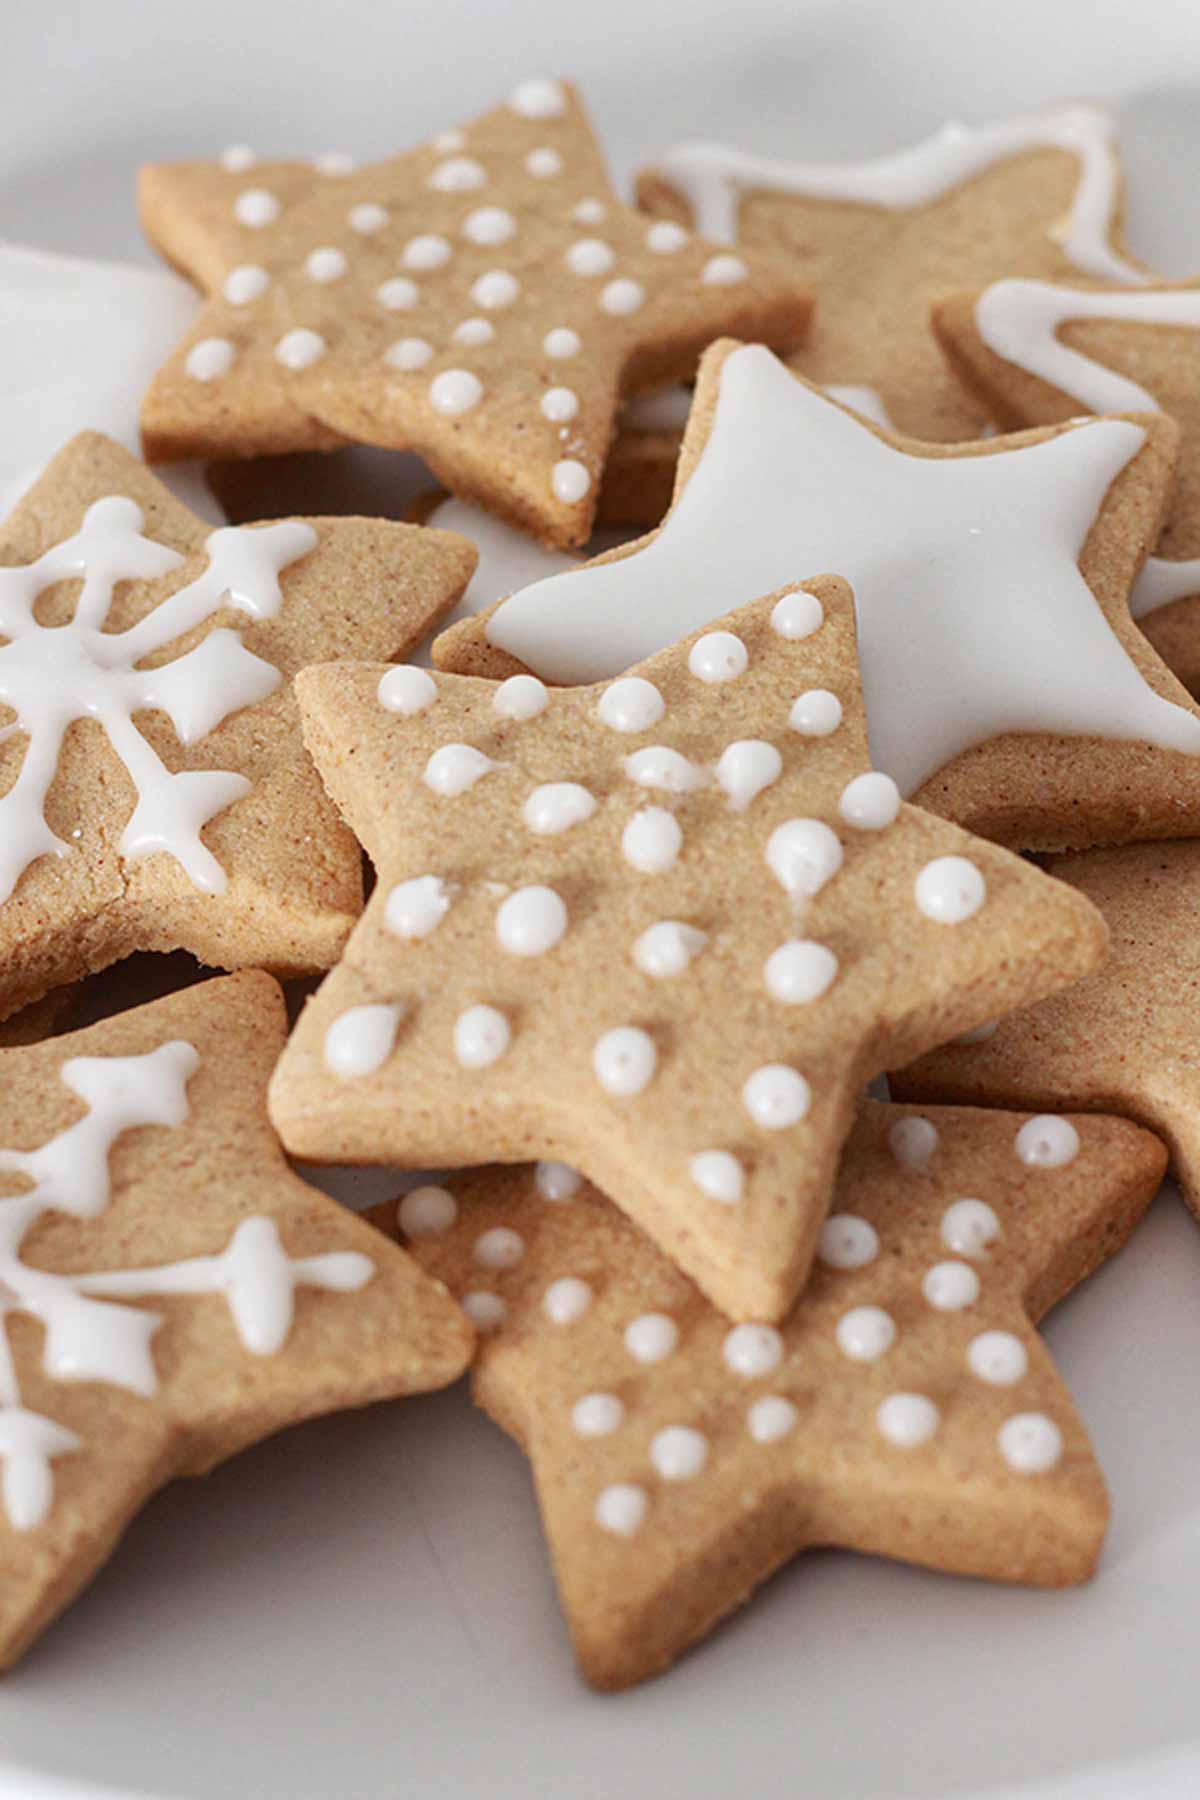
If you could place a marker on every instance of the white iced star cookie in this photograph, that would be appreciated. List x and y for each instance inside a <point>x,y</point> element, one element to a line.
<point>1006,685</point>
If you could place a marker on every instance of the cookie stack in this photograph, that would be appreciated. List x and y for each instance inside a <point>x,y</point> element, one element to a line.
<point>675,850</point>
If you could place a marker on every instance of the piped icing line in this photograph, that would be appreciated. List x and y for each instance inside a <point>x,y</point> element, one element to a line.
<point>87,1336</point>
<point>713,178</point>
<point>51,676</point>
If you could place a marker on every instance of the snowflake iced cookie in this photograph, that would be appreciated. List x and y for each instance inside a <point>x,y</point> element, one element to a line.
<point>1036,352</point>
<point>484,299</point>
<point>1006,685</point>
<point>1124,1038</point>
<point>905,1408</point>
<point>169,1291</point>
<point>154,789</point>
<point>663,928</point>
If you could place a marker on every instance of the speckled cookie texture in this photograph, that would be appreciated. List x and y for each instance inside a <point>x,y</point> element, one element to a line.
<point>905,1408</point>
<point>484,299</point>
<point>155,789</point>
<point>171,1291</point>
<point>663,928</point>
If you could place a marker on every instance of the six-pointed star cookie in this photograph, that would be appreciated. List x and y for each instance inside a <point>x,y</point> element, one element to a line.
<point>1036,352</point>
<point>154,789</point>
<point>663,928</point>
<point>1006,685</point>
<point>906,1408</point>
<point>484,300</point>
<point>169,1291</point>
<point>1124,1039</point>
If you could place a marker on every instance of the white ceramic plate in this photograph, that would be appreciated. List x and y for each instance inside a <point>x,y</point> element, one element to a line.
<point>362,1609</point>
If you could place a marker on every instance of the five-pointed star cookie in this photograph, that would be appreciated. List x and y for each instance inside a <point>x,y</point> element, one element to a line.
<point>1036,352</point>
<point>1006,685</point>
<point>906,1408</point>
<point>483,299</point>
<point>154,789</point>
<point>169,1291</point>
<point>1123,1039</point>
<point>663,928</point>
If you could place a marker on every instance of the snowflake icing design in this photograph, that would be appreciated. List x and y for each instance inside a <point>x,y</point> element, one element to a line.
<point>51,676</point>
<point>87,1336</point>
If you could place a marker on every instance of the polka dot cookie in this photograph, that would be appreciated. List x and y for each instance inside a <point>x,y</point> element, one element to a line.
<point>906,1407</point>
<point>662,928</point>
<point>483,299</point>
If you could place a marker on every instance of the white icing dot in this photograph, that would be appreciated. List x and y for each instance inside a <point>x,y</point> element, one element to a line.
<point>417,907</point>
<point>426,251</point>
<point>816,713</point>
<point>847,1242</point>
<point>245,283</point>
<point>752,1351</point>
<point>238,158</point>
<point>454,768</point>
<point>325,264</point>
<point>803,854</point>
<point>678,1452</point>
<point>724,271</point>
<point>407,690</point>
<point>912,1142</point>
<point>427,1212</point>
<point>771,1418</point>
<point>569,480</point>
<point>997,1357</point>
<point>445,141</point>
<point>566,1300</point>
<point>300,349</point>
<point>950,889</point>
<point>799,971</point>
<point>367,218</point>
<point>660,767</point>
<point>458,175</point>
<point>651,1337</point>
<point>559,404</point>
<point>255,207</point>
<point>562,342</point>
<point>622,297</point>
<point>455,391</point>
<point>589,212</point>
<point>865,1333</point>
<point>746,768</point>
<point>487,1312</point>
<point>665,237</point>
<point>1046,1142</point>
<point>651,840</point>
<point>557,1181</point>
<point>481,1036</point>
<point>335,163</point>
<point>398,294</point>
<point>360,1040</point>
<point>624,1060</point>
<point>408,354</point>
<point>209,359</point>
<point>520,697</point>
<point>489,225</point>
<point>797,615</point>
<point>543,163</point>
<point>620,1508</point>
<point>719,1175</point>
<point>776,1097</point>
<point>499,1248</point>
<point>667,947</point>
<point>556,806</point>
<point>1030,1443</point>
<point>718,656</point>
<point>969,1226</point>
<point>531,921</point>
<point>597,1415</point>
<point>631,704</point>
<point>907,1420</point>
<point>495,288</point>
<point>474,331</point>
<point>590,256</point>
<point>949,1286</point>
<point>870,802</point>
<point>538,98</point>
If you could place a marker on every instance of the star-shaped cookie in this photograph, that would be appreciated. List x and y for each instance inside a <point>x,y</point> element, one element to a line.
<point>169,1291</point>
<point>1035,352</point>
<point>1124,1038</point>
<point>484,299</point>
<point>664,929</point>
<point>906,1408</point>
<point>1006,685</point>
<point>154,788</point>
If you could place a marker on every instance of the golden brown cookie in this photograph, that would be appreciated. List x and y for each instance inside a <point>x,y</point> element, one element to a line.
<point>664,929</point>
<point>154,789</point>
<point>169,1291</point>
<point>906,1408</point>
<point>484,299</point>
